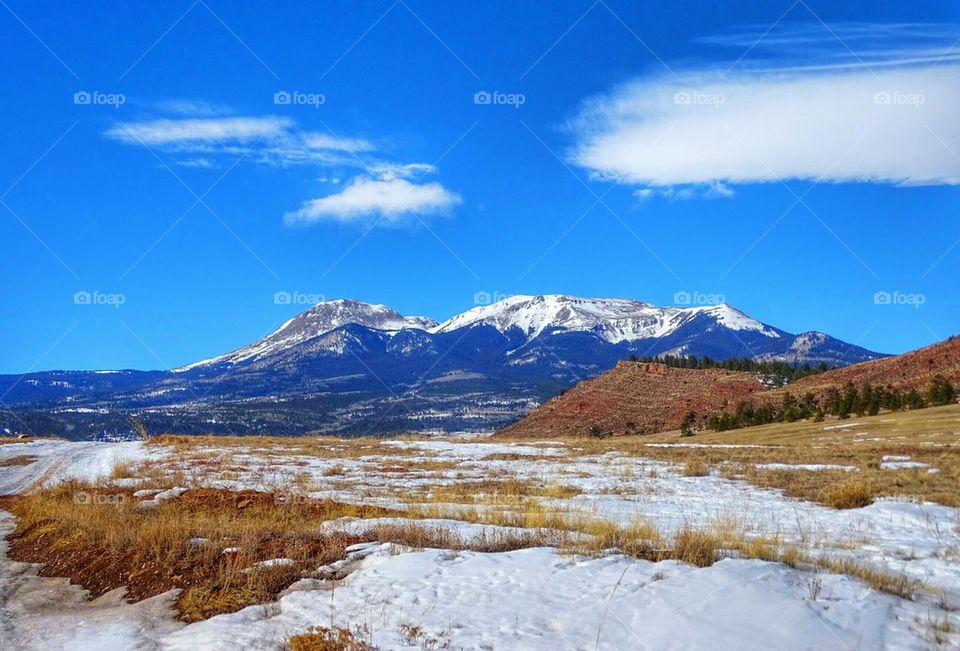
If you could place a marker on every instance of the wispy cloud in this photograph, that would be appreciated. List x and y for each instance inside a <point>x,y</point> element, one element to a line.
<point>193,131</point>
<point>885,115</point>
<point>844,45</point>
<point>388,190</point>
<point>392,200</point>
<point>326,141</point>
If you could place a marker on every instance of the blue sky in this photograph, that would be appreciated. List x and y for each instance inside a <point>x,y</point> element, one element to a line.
<point>795,157</point>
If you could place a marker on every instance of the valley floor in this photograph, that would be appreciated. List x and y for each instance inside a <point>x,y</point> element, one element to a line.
<point>477,543</point>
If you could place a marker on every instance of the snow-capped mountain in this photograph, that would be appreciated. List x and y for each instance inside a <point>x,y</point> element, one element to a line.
<point>612,319</point>
<point>351,367</point>
<point>320,319</point>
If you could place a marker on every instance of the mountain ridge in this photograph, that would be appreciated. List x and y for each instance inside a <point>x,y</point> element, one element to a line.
<point>615,320</point>
<point>348,367</point>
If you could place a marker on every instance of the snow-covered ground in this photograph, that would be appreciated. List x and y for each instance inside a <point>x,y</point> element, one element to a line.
<point>540,598</point>
<point>57,461</point>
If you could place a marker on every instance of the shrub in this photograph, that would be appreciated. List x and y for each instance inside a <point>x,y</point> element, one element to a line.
<point>696,468</point>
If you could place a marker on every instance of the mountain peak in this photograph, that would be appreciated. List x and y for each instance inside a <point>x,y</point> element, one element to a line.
<point>613,319</point>
<point>322,318</point>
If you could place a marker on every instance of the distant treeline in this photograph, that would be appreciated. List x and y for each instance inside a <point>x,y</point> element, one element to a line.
<point>778,372</point>
<point>865,400</point>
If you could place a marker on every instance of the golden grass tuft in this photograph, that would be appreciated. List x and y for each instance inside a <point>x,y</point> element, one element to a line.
<point>696,468</point>
<point>321,638</point>
<point>122,470</point>
<point>419,536</point>
<point>848,495</point>
<point>696,546</point>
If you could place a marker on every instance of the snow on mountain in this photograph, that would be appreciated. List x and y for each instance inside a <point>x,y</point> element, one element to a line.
<point>322,318</point>
<point>612,319</point>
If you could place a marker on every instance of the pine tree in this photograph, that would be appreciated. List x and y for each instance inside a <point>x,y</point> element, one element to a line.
<point>941,392</point>
<point>913,400</point>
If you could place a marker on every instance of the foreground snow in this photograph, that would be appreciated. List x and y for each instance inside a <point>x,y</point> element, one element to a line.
<point>397,598</point>
<point>527,599</point>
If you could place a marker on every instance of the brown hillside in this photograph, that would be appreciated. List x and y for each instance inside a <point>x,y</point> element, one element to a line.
<point>635,398</point>
<point>647,398</point>
<point>912,370</point>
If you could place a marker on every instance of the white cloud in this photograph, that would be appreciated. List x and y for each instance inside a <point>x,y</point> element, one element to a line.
<point>386,189</point>
<point>326,141</point>
<point>392,199</point>
<point>819,114</point>
<point>197,130</point>
<point>271,140</point>
<point>201,163</point>
<point>401,171</point>
<point>714,190</point>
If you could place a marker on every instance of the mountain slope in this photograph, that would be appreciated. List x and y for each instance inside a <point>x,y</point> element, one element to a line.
<point>640,398</point>
<point>912,370</point>
<point>635,399</point>
<point>320,319</point>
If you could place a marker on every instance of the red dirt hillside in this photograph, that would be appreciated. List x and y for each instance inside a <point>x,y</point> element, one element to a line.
<point>649,398</point>
<point>635,398</point>
<point>912,370</point>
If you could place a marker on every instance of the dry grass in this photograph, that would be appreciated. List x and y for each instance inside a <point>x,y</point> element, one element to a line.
<point>848,495</point>
<point>21,460</point>
<point>123,469</point>
<point>326,447</point>
<point>773,550</point>
<point>416,466</point>
<point>698,547</point>
<point>100,539</point>
<point>939,629</point>
<point>639,539</point>
<point>104,541</point>
<point>514,456</point>
<point>492,492</point>
<point>321,638</point>
<point>526,514</point>
<point>418,536</point>
<point>696,468</point>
